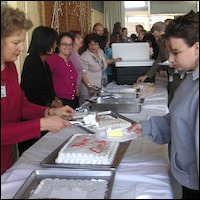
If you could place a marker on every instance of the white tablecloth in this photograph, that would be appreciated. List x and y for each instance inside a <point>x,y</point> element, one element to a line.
<point>144,169</point>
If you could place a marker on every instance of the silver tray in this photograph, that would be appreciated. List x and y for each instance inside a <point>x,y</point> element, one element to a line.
<point>119,105</point>
<point>109,112</point>
<point>119,92</point>
<point>36,176</point>
<point>49,161</point>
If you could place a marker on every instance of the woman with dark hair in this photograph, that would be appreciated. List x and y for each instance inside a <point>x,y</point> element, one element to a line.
<point>94,66</point>
<point>36,80</point>
<point>64,74</point>
<point>181,125</point>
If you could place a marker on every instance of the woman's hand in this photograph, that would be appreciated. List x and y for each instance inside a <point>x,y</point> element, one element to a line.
<point>118,59</point>
<point>91,91</point>
<point>53,123</point>
<point>66,112</point>
<point>137,128</point>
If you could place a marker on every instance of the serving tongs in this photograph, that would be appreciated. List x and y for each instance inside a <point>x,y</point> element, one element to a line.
<point>103,93</point>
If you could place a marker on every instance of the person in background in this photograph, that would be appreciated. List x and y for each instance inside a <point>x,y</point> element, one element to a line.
<point>181,125</point>
<point>175,77</point>
<point>116,36</point>
<point>105,40</point>
<point>154,49</point>
<point>76,60</point>
<point>14,104</point>
<point>98,29</point>
<point>94,66</point>
<point>134,37</point>
<point>141,34</point>
<point>167,21</point>
<point>105,46</point>
<point>125,37</point>
<point>138,27</point>
<point>36,80</point>
<point>158,29</point>
<point>64,74</point>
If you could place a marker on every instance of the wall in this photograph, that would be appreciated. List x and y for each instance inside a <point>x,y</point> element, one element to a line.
<point>97,13</point>
<point>96,17</point>
<point>98,6</point>
<point>75,15</point>
<point>31,8</point>
<point>168,7</point>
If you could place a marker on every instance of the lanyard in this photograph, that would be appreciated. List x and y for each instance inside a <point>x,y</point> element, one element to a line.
<point>101,64</point>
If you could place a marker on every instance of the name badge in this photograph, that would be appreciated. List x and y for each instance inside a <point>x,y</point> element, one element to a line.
<point>3,89</point>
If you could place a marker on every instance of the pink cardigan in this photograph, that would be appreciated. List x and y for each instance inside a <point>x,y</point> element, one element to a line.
<point>14,108</point>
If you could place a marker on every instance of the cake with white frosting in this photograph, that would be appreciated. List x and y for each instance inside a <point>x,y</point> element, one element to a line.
<point>104,122</point>
<point>56,188</point>
<point>87,149</point>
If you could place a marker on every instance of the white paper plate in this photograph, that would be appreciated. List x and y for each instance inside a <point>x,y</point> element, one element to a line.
<point>102,135</point>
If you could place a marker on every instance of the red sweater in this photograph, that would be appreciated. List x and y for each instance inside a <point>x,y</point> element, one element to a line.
<point>14,108</point>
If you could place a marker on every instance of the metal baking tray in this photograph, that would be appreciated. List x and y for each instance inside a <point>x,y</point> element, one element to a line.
<point>119,92</point>
<point>49,161</point>
<point>103,113</point>
<point>119,105</point>
<point>36,176</point>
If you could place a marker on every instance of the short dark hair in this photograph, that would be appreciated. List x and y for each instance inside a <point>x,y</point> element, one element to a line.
<point>42,40</point>
<point>97,24</point>
<point>185,27</point>
<point>91,37</point>
<point>124,29</point>
<point>134,36</point>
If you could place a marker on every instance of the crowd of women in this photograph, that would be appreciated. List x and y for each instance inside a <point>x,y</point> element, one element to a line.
<point>56,76</point>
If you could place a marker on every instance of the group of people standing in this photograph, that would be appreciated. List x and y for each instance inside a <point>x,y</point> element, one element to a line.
<point>55,74</point>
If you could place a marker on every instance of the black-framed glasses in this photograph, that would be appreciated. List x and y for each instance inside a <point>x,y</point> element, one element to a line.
<point>67,45</point>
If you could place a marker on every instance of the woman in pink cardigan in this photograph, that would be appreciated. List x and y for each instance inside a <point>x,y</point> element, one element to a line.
<point>14,105</point>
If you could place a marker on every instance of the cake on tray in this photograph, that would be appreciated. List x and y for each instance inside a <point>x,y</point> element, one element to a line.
<point>104,122</point>
<point>55,188</point>
<point>87,149</point>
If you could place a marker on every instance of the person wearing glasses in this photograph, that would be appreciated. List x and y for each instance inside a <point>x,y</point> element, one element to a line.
<point>64,74</point>
<point>15,107</point>
<point>94,66</point>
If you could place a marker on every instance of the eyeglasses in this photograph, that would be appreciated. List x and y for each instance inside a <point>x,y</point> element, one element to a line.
<point>67,45</point>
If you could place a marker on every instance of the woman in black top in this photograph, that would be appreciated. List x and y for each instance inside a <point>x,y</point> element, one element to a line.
<point>36,80</point>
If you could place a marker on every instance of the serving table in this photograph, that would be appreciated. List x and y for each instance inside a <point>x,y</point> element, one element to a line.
<point>144,169</point>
